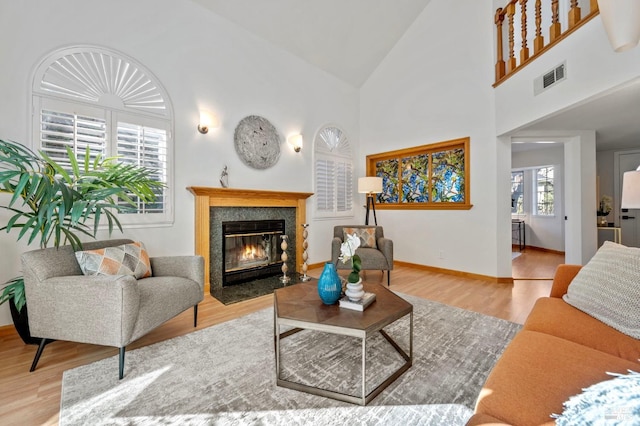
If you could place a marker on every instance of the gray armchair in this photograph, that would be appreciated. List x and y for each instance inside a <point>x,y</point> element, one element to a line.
<point>380,258</point>
<point>110,310</point>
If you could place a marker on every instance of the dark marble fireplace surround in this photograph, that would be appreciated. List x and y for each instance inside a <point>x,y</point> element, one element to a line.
<point>218,215</point>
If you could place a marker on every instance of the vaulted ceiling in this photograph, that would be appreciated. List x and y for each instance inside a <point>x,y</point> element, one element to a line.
<point>349,39</point>
<point>346,38</point>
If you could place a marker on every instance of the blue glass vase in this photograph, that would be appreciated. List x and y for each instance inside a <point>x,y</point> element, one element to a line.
<point>329,285</point>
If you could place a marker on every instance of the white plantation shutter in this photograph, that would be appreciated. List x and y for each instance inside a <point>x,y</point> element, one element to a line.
<point>325,185</point>
<point>62,130</point>
<point>333,173</point>
<point>88,96</point>
<point>146,147</point>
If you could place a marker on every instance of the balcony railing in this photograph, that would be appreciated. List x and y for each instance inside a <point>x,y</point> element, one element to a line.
<point>514,31</point>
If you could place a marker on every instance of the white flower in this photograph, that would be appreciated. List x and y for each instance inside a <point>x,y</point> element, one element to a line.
<point>348,248</point>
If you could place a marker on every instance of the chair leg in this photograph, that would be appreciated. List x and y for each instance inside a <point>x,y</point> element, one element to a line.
<point>195,315</point>
<point>43,343</point>
<point>389,278</point>
<point>121,364</point>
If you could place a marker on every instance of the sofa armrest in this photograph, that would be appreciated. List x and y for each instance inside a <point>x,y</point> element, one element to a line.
<point>562,278</point>
<point>190,267</point>
<point>74,307</point>
<point>385,245</point>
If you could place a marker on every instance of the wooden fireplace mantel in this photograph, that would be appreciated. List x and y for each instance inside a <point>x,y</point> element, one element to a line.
<point>206,197</point>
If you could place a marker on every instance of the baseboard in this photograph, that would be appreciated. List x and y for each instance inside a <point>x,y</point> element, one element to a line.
<point>501,280</point>
<point>546,250</point>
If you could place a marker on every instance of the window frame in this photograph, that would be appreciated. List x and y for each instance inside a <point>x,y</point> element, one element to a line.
<point>430,149</point>
<point>341,155</point>
<point>114,110</point>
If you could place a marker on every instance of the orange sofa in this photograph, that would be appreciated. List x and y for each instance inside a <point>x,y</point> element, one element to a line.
<point>559,352</point>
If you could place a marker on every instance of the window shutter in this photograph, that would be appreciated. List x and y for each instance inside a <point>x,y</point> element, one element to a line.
<point>324,185</point>
<point>145,147</point>
<point>344,187</point>
<point>60,130</point>
<point>333,173</point>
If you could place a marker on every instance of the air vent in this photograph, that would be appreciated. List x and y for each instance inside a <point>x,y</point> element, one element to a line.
<point>549,79</point>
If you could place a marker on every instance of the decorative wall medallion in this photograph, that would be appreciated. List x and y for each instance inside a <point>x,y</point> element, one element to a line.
<point>257,142</point>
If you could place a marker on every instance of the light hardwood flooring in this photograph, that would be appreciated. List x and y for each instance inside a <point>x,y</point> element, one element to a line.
<point>34,398</point>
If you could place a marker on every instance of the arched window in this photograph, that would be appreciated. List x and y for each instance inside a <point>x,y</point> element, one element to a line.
<point>89,96</point>
<point>333,168</point>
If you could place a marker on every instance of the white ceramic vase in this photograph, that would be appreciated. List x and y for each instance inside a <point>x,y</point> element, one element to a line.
<point>354,291</point>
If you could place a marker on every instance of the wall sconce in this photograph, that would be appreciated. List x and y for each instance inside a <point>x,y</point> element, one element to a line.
<point>295,141</point>
<point>370,185</point>
<point>207,121</point>
<point>621,20</point>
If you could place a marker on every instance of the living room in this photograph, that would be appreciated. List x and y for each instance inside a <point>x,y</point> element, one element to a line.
<point>433,85</point>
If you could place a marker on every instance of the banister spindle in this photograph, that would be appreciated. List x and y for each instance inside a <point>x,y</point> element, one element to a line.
<point>524,52</point>
<point>555,29</point>
<point>499,18</point>
<point>574,14</point>
<point>511,62</point>
<point>538,42</point>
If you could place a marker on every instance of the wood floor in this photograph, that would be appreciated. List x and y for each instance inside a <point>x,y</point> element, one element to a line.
<point>34,398</point>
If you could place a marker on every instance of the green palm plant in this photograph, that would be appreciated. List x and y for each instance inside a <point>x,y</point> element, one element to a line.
<point>53,204</point>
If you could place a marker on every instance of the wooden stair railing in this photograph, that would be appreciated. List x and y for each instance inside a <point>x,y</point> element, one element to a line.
<point>516,10</point>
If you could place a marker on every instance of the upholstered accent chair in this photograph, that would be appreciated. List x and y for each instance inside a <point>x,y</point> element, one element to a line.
<point>376,252</point>
<point>110,310</point>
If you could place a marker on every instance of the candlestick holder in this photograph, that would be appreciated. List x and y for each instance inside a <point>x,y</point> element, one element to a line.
<point>284,257</point>
<point>305,255</point>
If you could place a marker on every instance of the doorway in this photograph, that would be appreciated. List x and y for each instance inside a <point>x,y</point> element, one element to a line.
<point>627,219</point>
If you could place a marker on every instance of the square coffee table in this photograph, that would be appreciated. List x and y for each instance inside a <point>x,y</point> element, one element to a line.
<point>299,306</point>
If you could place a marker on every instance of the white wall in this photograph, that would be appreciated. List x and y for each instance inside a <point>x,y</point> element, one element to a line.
<point>429,90</point>
<point>203,61</point>
<point>542,231</point>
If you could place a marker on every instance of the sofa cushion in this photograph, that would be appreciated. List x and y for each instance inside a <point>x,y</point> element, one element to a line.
<point>126,259</point>
<point>554,316</point>
<point>367,235</point>
<point>608,288</point>
<point>538,372</point>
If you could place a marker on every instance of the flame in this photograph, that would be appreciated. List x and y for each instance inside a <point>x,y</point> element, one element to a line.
<point>251,252</point>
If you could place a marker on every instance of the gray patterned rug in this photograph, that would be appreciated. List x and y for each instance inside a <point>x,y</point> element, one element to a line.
<point>225,375</point>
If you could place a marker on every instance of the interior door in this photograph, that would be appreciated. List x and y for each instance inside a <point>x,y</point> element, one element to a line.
<point>629,218</point>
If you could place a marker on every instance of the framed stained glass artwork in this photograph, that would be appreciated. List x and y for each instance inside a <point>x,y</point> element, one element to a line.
<point>434,176</point>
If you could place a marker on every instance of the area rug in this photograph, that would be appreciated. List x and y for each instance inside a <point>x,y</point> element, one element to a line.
<point>225,375</point>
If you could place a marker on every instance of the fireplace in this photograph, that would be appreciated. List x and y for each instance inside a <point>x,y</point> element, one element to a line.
<point>251,250</point>
<point>216,205</point>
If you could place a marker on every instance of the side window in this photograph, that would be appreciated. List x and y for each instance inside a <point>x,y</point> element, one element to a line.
<point>333,173</point>
<point>97,98</point>
<point>544,191</point>
<point>517,192</point>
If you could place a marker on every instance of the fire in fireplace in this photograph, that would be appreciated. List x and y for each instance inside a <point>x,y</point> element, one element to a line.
<point>250,250</point>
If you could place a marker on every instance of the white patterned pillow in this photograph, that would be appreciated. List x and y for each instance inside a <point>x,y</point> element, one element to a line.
<point>127,259</point>
<point>608,288</point>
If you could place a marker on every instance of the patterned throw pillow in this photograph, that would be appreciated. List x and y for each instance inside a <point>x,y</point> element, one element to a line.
<point>608,288</point>
<point>367,236</point>
<point>127,259</point>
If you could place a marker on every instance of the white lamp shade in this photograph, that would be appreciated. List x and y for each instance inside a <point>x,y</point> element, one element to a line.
<point>621,20</point>
<point>370,185</point>
<point>631,190</point>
